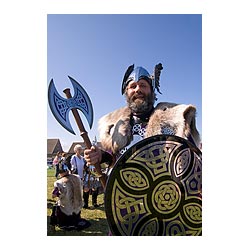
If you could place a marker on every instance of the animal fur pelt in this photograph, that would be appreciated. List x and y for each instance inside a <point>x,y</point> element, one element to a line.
<point>115,128</point>
<point>70,199</point>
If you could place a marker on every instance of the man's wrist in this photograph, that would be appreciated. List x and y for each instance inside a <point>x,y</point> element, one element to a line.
<point>106,157</point>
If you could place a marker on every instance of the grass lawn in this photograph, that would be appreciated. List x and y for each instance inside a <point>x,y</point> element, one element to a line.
<point>96,216</point>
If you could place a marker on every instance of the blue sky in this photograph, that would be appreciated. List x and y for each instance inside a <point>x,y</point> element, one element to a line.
<point>97,49</point>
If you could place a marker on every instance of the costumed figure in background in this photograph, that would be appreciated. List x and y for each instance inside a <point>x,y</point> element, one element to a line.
<point>122,128</point>
<point>94,185</point>
<point>67,212</point>
<point>91,184</point>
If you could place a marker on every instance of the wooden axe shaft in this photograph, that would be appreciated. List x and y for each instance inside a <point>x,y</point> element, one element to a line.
<point>84,134</point>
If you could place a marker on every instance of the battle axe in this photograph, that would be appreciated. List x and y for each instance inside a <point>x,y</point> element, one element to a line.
<point>61,107</point>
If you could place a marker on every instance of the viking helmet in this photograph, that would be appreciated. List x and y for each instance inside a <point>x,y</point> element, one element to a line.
<point>141,73</point>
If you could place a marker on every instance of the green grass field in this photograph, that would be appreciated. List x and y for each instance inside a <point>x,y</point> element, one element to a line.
<point>96,216</point>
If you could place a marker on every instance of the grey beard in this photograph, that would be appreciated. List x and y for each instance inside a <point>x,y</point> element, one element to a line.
<point>139,106</point>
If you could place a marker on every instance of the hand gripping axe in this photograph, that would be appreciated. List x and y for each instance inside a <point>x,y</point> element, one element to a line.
<point>61,107</point>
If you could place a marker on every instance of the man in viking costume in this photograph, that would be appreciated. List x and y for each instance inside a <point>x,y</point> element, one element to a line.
<point>67,212</point>
<point>140,119</point>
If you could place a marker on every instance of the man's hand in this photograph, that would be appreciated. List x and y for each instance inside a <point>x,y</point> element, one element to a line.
<point>92,155</point>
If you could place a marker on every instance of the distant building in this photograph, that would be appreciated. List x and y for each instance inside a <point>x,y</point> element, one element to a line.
<point>53,146</point>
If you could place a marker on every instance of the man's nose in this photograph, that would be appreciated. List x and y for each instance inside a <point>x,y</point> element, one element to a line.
<point>138,88</point>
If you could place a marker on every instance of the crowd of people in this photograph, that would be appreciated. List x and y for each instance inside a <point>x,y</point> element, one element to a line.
<point>75,183</point>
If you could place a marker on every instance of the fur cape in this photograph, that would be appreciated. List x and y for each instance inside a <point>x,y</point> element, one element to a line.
<point>70,199</point>
<point>115,128</point>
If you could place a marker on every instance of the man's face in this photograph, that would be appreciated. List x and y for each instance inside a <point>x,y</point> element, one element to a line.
<point>79,151</point>
<point>139,96</point>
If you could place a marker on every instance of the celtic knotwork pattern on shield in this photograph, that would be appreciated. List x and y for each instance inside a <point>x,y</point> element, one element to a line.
<point>128,210</point>
<point>166,197</point>
<point>193,212</point>
<point>182,162</point>
<point>194,232</point>
<point>134,178</point>
<point>150,228</point>
<point>193,182</point>
<point>172,146</point>
<point>175,228</point>
<point>154,157</point>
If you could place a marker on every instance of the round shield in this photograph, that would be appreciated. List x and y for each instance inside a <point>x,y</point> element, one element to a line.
<point>155,189</point>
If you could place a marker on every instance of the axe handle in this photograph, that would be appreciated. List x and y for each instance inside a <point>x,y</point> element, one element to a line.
<point>84,135</point>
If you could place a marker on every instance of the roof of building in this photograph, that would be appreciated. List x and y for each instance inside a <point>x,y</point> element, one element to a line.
<point>53,146</point>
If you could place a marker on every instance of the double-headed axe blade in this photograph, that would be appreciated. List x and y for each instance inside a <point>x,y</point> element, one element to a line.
<point>61,107</point>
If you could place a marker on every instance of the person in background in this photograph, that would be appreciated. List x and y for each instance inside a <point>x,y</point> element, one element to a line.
<point>63,156</point>
<point>56,163</point>
<point>91,185</point>
<point>77,166</point>
<point>67,212</point>
<point>77,161</point>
